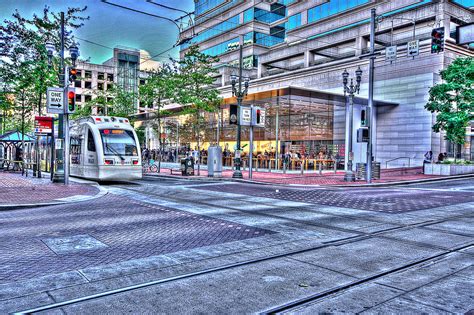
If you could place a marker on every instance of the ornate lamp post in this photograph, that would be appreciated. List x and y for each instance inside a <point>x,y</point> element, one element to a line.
<point>350,89</point>
<point>240,94</point>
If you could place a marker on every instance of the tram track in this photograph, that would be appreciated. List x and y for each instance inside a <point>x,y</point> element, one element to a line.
<point>399,226</point>
<point>278,309</point>
<point>287,306</point>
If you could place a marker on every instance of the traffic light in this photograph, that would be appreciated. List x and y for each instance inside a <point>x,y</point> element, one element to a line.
<point>72,74</point>
<point>71,100</point>
<point>437,40</point>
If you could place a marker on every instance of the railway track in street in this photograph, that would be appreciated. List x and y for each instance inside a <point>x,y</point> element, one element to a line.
<point>439,254</point>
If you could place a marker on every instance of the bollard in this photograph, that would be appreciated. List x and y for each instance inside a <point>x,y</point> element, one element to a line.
<point>284,167</point>
<point>269,166</point>
<point>302,167</point>
<point>335,167</point>
<point>320,168</point>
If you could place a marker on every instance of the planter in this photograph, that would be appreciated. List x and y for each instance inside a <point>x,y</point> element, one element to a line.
<point>448,169</point>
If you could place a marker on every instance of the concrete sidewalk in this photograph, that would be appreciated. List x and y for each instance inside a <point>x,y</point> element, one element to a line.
<point>295,178</point>
<point>18,191</point>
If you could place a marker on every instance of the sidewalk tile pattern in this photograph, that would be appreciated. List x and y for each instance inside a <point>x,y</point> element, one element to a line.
<point>129,229</point>
<point>17,189</point>
<point>388,200</point>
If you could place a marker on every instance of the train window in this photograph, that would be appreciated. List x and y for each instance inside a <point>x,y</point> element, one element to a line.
<point>75,144</point>
<point>90,142</point>
<point>119,142</point>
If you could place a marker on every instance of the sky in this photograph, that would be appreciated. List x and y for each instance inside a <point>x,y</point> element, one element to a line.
<point>112,26</point>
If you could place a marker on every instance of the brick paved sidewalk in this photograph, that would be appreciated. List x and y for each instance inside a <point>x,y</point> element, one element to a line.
<point>16,189</point>
<point>326,178</point>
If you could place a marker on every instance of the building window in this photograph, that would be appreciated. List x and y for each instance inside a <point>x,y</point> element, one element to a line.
<point>100,86</point>
<point>78,98</point>
<point>142,81</point>
<point>88,74</point>
<point>221,48</point>
<point>215,30</point>
<point>87,98</point>
<point>88,85</point>
<point>332,7</point>
<point>100,76</point>
<point>77,83</point>
<point>248,15</point>
<point>110,99</point>
<point>110,77</point>
<point>109,86</point>
<point>293,21</point>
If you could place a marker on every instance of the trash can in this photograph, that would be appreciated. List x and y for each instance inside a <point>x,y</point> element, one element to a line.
<point>214,162</point>
<point>187,166</point>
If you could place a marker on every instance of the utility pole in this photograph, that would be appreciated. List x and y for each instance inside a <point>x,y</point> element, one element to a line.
<point>371,95</point>
<point>58,175</point>
<point>251,143</point>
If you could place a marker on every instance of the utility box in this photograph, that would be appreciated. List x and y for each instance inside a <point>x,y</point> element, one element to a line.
<point>187,166</point>
<point>214,161</point>
<point>363,135</point>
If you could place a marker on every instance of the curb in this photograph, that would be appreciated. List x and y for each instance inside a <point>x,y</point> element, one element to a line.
<point>247,181</point>
<point>62,201</point>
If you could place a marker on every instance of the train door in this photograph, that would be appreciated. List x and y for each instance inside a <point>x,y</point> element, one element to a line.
<point>91,168</point>
<point>77,157</point>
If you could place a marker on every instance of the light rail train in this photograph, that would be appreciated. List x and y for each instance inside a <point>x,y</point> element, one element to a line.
<point>104,148</point>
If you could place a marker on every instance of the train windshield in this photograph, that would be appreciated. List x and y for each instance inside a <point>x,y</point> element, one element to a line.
<point>118,142</point>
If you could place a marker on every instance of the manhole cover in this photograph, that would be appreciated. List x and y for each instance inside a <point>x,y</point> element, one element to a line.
<point>73,244</point>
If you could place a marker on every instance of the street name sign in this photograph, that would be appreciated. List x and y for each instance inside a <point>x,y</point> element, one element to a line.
<point>391,53</point>
<point>413,48</point>
<point>55,100</point>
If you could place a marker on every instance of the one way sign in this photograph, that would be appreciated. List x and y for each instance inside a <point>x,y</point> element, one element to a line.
<point>55,100</point>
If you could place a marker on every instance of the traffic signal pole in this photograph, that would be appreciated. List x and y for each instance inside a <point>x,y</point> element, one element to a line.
<point>66,128</point>
<point>371,96</point>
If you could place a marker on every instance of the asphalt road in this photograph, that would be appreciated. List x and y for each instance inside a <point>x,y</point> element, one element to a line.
<point>178,246</point>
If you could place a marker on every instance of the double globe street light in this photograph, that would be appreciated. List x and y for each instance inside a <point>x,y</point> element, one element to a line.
<point>239,93</point>
<point>350,89</point>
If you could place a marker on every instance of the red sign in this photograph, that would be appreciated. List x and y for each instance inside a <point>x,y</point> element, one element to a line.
<point>43,125</point>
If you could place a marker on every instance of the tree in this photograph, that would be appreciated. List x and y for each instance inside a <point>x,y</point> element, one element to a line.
<point>25,62</point>
<point>158,88</point>
<point>453,100</point>
<point>194,87</point>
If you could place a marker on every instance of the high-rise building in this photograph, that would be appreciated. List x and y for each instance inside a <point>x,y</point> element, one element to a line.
<point>127,69</point>
<point>296,51</point>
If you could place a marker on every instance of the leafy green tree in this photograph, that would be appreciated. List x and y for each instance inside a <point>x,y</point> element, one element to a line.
<point>25,66</point>
<point>194,87</point>
<point>453,100</point>
<point>159,88</point>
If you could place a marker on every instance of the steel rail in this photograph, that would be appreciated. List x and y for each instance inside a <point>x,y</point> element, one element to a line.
<point>314,297</point>
<point>286,306</point>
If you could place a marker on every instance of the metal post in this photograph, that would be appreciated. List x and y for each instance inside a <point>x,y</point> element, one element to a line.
<point>277,146</point>
<point>177,141</point>
<point>251,142</point>
<point>238,172</point>
<point>51,166</point>
<point>371,94</point>
<point>59,176</point>
<point>350,176</point>
<point>66,131</point>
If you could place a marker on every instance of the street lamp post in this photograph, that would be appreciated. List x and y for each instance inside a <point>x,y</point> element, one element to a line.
<point>350,89</point>
<point>240,94</point>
